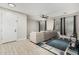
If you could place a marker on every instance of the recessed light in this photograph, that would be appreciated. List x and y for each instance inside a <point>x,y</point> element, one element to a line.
<point>11,4</point>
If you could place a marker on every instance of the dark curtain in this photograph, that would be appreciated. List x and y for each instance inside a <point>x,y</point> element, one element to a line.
<point>39,25</point>
<point>45,25</point>
<point>54,25</point>
<point>64,26</point>
<point>74,28</point>
<point>61,32</point>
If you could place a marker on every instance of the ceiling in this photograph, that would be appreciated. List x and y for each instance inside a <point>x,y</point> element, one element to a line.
<point>51,9</point>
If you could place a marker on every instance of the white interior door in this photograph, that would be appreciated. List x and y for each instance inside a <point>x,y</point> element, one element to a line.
<point>9,26</point>
<point>21,27</point>
<point>0,26</point>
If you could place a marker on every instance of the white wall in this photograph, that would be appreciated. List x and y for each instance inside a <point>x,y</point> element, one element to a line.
<point>21,26</point>
<point>42,25</point>
<point>0,26</point>
<point>32,26</point>
<point>50,24</point>
<point>77,24</point>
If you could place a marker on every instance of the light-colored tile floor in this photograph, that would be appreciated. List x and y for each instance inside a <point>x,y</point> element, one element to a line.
<point>22,47</point>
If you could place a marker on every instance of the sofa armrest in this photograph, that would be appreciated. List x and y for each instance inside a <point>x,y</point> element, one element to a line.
<point>36,37</point>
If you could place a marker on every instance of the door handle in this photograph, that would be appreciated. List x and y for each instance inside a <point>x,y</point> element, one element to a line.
<point>15,30</point>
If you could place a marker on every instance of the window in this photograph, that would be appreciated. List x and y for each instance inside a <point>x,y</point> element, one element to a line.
<point>69,25</point>
<point>57,25</point>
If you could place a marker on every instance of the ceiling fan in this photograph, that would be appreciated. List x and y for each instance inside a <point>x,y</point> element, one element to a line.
<point>44,16</point>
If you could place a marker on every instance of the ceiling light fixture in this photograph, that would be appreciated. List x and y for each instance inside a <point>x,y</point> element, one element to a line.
<point>11,4</point>
<point>44,16</point>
